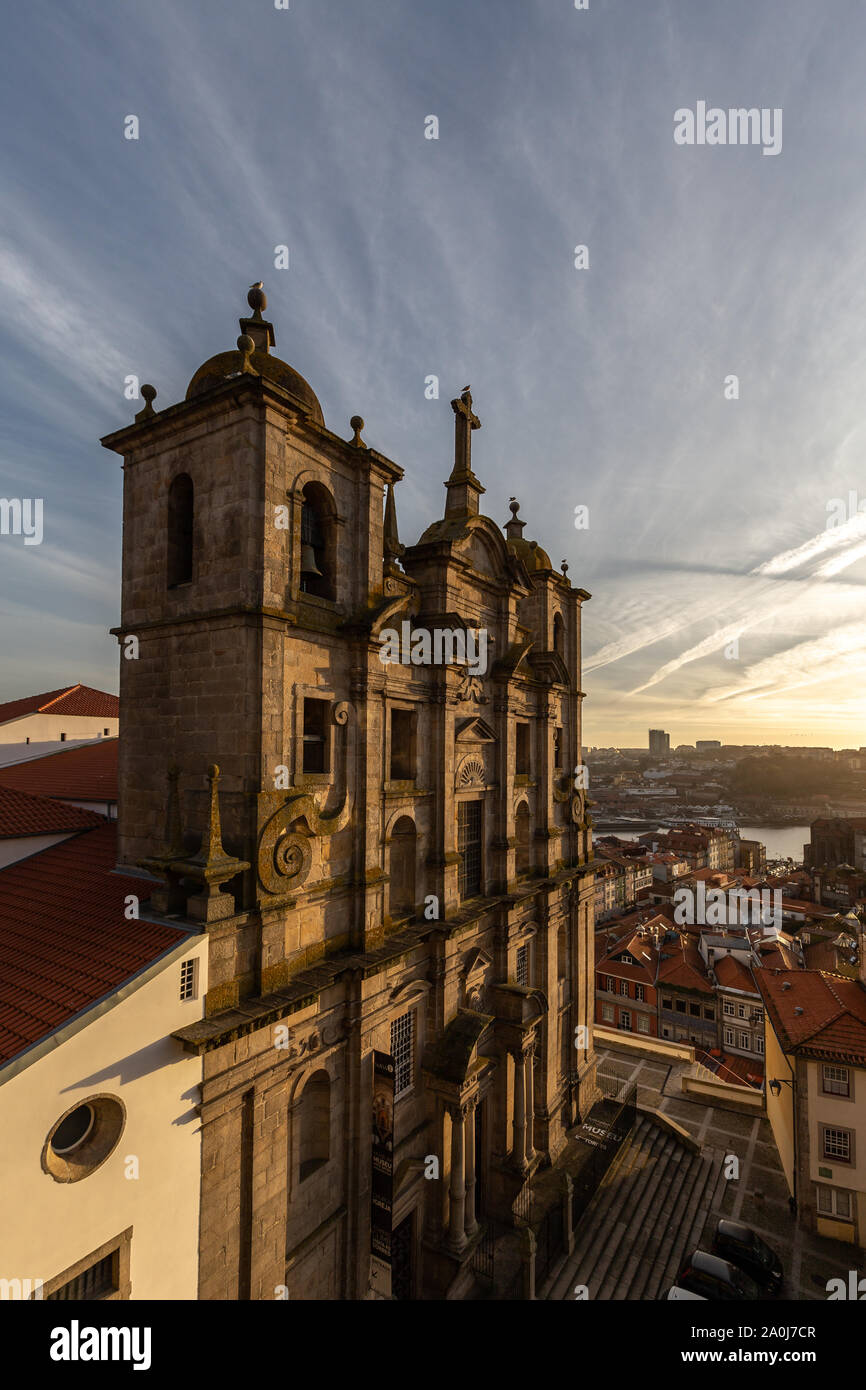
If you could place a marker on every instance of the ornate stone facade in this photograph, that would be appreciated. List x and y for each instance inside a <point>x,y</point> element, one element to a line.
<point>388,856</point>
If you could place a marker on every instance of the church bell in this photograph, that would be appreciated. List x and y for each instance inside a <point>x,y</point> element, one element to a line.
<point>308,562</point>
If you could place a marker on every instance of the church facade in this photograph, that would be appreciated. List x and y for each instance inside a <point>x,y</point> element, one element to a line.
<point>351,764</point>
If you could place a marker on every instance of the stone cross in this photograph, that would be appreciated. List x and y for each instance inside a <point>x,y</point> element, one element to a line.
<point>464,422</point>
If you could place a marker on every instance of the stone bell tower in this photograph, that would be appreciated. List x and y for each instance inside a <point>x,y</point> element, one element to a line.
<point>253,538</point>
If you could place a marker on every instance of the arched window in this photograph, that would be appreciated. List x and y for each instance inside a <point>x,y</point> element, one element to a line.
<point>315,1124</point>
<point>522,841</point>
<point>317,543</point>
<point>180,531</point>
<point>402,866</point>
<point>559,635</point>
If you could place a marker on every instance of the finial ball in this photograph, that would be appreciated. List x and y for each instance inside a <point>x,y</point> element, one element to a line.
<point>514,506</point>
<point>148,392</point>
<point>356,422</point>
<point>257,299</point>
<point>246,344</point>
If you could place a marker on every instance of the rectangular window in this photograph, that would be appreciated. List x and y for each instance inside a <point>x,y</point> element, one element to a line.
<point>92,1284</point>
<point>835,1081</point>
<point>521,763</point>
<point>709,1011</point>
<point>744,1042</point>
<point>625,1020</point>
<point>607,1013</point>
<point>557,748</point>
<point>666,1003</point>
<point>469,848</point>
<point>639,993</point>
<point>741,1011</point>
<point>759,1045</point>
<point>729,1037</point>
<point>836,1144</point>
<point>521,972</point>
<point>315,735</point>
<point>680,1006</point>
<point>403,1051</point>
<point>666,1032</point>
<point>694,1010</point>
<point>402,751</point>
<point>834,1201</point>
<point>62,738</point>
<point>643,1023</point>
<point>106,732</point>
<point>188,973</point>
<point>729,1008</point>
<point>623,987</point>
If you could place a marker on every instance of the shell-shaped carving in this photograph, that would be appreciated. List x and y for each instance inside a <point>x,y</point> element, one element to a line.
<point>471,773</point>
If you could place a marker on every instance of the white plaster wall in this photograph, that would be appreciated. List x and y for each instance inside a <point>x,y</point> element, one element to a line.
<point>22,846</point>
<point>47,728</point>
<point>46,1226</point>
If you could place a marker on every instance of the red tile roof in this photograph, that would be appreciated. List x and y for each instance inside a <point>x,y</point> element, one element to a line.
<point>733,974</point>
<point>682,966</point>
<point>23,814</point>
<point>831,1024</point>
<point>64,940</point>
<point>70,699</point>
<point>81,772</point>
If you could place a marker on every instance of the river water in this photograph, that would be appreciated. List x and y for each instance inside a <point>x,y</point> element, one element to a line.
<point>780,841</point>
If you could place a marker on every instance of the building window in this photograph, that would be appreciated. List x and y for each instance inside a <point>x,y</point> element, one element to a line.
<point>694,1010</point>
<point>317,567</point>
<point>62,738</point>
<point>558,635</point>
<point>557,748</point>
<point>522,840</point>
<point>667,1003</point>
<point>315,735</point>
<point>188,981</point>
<point>180,531</point>
<point>835,1081</point>
<point>469,848</point>
<point>93,1283</point>
<point>680,1006</point>
<point>402,860</point>
<point>666,1032</point>
<point>521,760</point>
<point>836,1144</point>
<point>607,1013</point>
<point>623,987</point>
<point>106,732</point>
<point>744,1042</point>
<point>709,1012</point>
<point>403,1052</point>
<point>625,1020</point>
<point>759,1045</point>
<point>562,952</point>
<point>728,1007</point>
<point>402,745</point>
<point>729,1037</point>
<point>834,1201</point>
<point>314,1124</point>
<point>643,1023</point>
<point>741,1011</point>
<point>521,969</point>
<point>639,993</point>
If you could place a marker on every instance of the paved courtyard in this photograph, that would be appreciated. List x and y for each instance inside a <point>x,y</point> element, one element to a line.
<point>760,1195</point>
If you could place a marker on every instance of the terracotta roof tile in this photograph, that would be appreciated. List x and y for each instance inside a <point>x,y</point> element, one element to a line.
<point>81,772</point>
<point>22,814</point>
<point>831,1022</point>
<point>733,974</point>
<point>64,940</point>
<point>70,699</point>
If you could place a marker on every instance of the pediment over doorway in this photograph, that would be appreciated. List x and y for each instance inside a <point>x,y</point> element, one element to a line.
<point>474,731</point>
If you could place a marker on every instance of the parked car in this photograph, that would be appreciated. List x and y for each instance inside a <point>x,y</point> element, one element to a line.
<point>675,1293</point>
<point>742,1246</point>
<point>715,1278</point>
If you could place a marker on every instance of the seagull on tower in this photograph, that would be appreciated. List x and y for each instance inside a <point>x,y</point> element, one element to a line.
<point>259,285</point>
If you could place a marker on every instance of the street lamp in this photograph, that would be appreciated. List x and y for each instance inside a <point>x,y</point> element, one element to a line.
<point>776,1086</point>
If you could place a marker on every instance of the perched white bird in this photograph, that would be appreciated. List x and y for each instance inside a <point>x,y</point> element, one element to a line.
<point>259,285</point>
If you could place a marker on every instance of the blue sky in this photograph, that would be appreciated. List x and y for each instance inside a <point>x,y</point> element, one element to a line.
<point>602,387</point>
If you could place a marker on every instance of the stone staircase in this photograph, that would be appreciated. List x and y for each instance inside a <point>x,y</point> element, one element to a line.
<point>650,1211</point>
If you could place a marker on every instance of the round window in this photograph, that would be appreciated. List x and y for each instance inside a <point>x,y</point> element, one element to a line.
<point>73,1130</point>
<point>82,1139</point>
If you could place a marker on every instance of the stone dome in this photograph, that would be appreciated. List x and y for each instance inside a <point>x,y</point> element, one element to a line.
<point>228,364</point>
<point>530,552</point>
